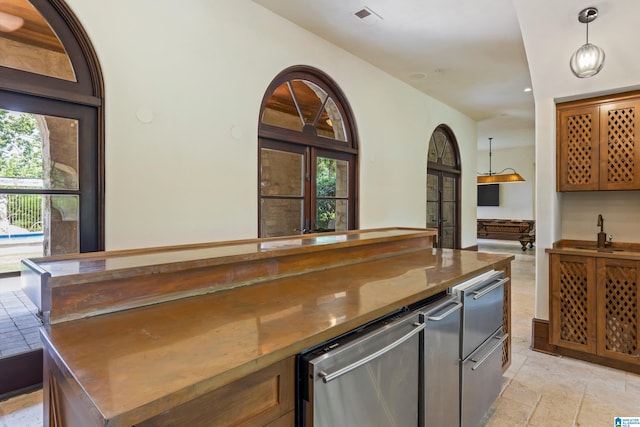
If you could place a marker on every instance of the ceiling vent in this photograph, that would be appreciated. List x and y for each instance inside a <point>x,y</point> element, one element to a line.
<point>367,16</point>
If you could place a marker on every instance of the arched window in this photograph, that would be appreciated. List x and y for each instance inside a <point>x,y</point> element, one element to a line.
<point>443,187</point>
<point>307,156</point>
<point>50,81</point>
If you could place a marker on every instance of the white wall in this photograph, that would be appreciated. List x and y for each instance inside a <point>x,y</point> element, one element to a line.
<point>200,68</point>
<point>517,198</point>
<point>620,210</point>
<point>547,200</point>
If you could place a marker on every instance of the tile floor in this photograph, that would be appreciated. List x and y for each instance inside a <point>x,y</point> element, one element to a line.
<point>18,321</point>
<point>538,390</point>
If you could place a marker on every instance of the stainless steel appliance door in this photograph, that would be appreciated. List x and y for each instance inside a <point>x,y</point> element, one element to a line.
<point>481,379</point>
<point>483,311</point>
<point>371,381</point>
<point>441,362</point>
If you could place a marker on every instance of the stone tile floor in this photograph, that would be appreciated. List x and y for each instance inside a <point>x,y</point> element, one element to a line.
<point>18,321</point>
<point>539,390</point>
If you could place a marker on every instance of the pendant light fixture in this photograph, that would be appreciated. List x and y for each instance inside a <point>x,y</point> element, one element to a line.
<point>588,60</point>
<point>495,177</point>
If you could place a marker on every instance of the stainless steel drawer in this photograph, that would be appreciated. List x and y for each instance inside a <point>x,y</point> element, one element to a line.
<point>483,311</point>
<point>481,379</point>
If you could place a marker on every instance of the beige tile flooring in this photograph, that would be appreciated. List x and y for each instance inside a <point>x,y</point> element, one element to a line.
<point>547,391</point>
<point>538,390</point>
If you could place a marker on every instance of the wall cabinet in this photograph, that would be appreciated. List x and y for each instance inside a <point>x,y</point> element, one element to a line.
<point>597,144</point>
<point>595,306</point>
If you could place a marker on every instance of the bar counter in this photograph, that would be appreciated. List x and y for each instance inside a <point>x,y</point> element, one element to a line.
<point>125,367</point>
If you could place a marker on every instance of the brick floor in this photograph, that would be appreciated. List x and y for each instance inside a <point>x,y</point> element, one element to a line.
<point>19,323</point>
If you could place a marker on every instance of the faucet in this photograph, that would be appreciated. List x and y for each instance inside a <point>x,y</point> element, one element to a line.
<point>602,236</point>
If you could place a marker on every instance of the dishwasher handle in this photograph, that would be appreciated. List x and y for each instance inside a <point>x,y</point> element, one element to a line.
<point>483,291</point>
<point>456,306</point>
<point>486,356</point>
<point>326,377</point>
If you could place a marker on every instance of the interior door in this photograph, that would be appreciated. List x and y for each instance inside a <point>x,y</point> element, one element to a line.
<point>442,196</point>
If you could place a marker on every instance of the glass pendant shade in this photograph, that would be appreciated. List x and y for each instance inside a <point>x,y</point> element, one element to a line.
<point>587,61</point>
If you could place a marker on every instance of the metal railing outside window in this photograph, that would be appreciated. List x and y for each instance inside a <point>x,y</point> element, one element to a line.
<point>22,214</point>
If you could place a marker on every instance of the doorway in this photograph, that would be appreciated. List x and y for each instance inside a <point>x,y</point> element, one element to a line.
<point>51,164</point>
<point>443,187</point>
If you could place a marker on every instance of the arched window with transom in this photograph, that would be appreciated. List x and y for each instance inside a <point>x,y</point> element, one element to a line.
<point>443,187</point>
<point>307,156</point>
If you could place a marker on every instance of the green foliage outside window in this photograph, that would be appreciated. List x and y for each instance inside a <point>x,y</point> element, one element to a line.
<point>20,146</point>
<point>325,187</point>
<point>21,157</point>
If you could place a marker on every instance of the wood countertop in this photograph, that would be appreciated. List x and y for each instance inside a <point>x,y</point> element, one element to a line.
<point>134,364</point>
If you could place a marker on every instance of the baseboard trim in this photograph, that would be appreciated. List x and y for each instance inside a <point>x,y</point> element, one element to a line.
<point>471,248</point>
<point>604,361</point>
<point>540,335</point>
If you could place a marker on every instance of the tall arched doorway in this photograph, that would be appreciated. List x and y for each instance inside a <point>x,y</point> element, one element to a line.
<point>443,187</point>
<point>307,156</point>
<point>51,159</point>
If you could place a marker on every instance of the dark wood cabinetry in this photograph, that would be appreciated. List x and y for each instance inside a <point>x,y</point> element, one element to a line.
<point>595,307</point>
<point>597,144</point>
<point>618,305</point>
<point>264,398</point>
<point>573,302</point>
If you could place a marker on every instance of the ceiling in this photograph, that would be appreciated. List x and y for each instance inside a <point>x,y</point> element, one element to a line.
<point>470,54</point>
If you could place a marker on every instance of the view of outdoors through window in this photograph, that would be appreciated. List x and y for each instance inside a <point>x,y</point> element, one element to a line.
<point>21,167</point>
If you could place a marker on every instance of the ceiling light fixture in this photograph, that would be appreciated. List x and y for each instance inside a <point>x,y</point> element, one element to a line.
<point>588,60</point>
<point>9,23</point>
<point>494,177</point>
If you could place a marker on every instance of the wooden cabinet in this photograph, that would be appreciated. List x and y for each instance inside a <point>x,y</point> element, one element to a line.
<point>597,144</point>
<point>265,398</point>
<point>573,302</point>
<point>595,306</point>
<point>618,301</point>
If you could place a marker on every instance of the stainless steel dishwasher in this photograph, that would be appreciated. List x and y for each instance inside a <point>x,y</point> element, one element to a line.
<point>369,377</point>
<point>440,361</point>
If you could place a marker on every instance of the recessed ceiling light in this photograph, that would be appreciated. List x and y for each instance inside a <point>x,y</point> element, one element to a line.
<point>367,16</point>
<point>417,76</point>
<point>527,89</point>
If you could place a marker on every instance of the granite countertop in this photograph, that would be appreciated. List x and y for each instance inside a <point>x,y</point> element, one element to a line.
<point>143,361</point>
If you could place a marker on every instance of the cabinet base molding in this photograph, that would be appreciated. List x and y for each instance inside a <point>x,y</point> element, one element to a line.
<point>604,361</point>
<point>540,334</point>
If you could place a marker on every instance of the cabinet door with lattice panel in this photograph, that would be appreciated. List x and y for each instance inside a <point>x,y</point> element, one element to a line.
<point>619,146</point>
<point>573,302</point>
<point>577,148</point>
<point>618,309</point>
